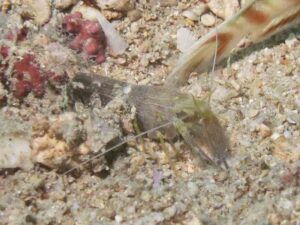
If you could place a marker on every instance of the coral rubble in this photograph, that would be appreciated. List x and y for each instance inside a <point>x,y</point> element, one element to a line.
<point>89,37</point>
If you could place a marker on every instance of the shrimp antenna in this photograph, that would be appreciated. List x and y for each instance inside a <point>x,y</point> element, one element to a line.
<point>120,144</point>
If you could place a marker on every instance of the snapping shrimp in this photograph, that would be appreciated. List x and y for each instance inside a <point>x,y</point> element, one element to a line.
<point>174,113</point>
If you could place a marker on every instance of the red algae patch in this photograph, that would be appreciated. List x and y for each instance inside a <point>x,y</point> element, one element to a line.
<point>29,77</point>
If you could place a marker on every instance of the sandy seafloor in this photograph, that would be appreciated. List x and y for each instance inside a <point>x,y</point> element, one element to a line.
<point>256,97</point>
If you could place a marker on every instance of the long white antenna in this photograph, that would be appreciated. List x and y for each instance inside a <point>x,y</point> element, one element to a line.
<point>216,53</point>
<point>121,143</point>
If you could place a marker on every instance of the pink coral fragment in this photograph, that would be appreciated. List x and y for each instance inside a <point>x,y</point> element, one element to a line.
<point>89,38</point>
<point>72,23</point>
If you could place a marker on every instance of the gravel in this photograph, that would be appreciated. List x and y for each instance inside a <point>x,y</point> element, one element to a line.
<point>256,98</point>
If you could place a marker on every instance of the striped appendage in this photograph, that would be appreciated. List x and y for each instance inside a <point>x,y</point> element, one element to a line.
<point>258,20</point>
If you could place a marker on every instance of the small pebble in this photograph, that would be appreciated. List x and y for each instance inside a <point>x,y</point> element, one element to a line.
<point>200,9</point>
<point>64,4</point>
<point>291,121</point>
<point>275,136</point>
<point>134,15</point>
<point>253,113</point>
<point>194,13</point>
<point>264,131</point>
<point>287,134</point>
<point>190,15</point>
<point>109,213</point>
<point>118,219</point>
<point>208,20</point>
<point>39,11</point>
<point>217,7</point>
<point>116,5</point>
<point>121,61</point>
<point>112,15</point>
<point>84,149</point>
<point>144,61</point>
